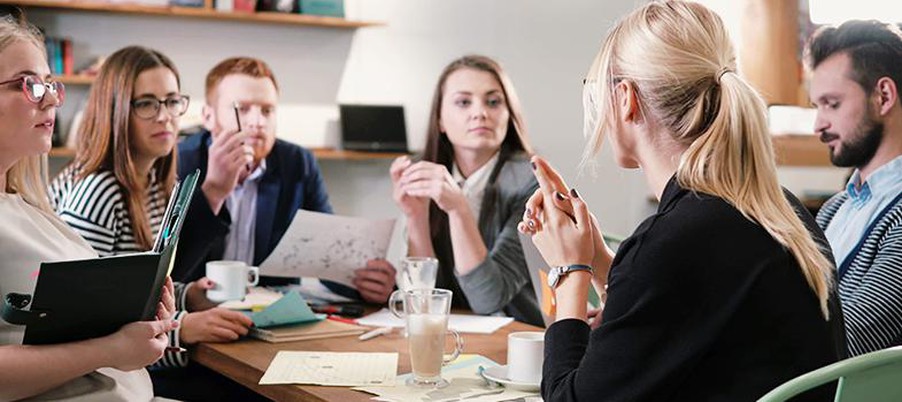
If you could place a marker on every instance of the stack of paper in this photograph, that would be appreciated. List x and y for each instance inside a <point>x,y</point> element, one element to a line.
<point>463,323</point>
<point>330,368</point>
<point>305,332</point>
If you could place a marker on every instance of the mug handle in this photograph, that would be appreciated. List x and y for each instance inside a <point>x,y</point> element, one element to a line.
<point>458,347</point>
<point>396,299</point>
<point>255,272</point>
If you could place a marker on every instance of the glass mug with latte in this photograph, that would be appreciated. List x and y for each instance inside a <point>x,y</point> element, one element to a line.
<point>426,312</point>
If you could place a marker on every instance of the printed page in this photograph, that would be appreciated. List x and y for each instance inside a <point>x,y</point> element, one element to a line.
<point>333,369</point>
<point>328,246</point>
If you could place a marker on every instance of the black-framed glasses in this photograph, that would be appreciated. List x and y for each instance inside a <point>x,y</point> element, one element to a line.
<point>35,89</point>
<point>148,108</point>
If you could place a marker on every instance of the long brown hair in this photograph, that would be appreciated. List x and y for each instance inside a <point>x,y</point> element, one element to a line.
<point>104,138</point>
<point>439,149</point>
<point>679,57</point>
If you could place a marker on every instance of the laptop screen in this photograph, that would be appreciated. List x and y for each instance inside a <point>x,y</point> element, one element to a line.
<point>373,128</point>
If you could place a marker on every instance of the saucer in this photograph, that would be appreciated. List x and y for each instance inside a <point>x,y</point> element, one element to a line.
<point>499,374</point>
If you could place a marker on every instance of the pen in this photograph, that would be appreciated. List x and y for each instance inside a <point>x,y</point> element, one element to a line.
<point>339,319</point>
<point>176,349</point>
<point>347,311</point>
<point>237,117</point>
<point>374,333</point>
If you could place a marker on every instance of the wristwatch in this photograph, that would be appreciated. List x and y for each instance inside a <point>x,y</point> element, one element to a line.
<point>556,273</point>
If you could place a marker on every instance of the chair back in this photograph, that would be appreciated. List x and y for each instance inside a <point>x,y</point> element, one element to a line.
<point>872,377</point>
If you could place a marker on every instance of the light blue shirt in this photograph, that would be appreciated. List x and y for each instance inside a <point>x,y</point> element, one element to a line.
<point>242,206</point>
<point>866,200</point>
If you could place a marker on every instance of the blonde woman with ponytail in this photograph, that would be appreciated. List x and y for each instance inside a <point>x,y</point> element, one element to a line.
<point>725,292</point>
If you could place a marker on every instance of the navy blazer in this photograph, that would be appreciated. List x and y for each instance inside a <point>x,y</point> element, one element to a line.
<point>292,181</point>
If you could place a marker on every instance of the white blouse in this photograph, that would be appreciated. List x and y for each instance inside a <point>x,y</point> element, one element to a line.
<point>28,237</point>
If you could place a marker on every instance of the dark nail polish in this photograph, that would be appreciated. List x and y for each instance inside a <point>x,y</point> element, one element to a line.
<point>560,196</point>
<point>533,165</point>
<point>528,211</point>
<point>531,223</point>
<point>574,193</point>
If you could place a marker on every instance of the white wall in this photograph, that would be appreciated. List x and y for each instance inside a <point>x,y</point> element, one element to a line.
<point>546,47</point>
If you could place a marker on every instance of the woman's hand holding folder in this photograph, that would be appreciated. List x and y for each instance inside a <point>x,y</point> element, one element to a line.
<point>141,343</point>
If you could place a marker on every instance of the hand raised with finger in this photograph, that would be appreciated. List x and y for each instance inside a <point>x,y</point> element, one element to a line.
<point>564,240</point>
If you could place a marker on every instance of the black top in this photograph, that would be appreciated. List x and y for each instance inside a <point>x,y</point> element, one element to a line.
<point>703,304</point>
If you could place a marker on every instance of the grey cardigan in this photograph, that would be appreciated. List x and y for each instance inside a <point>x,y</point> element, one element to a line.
<point>501,281</point>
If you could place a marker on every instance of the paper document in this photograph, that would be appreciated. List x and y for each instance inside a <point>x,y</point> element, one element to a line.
<point>334,369</point>
<point>327,246</point>
<point>256,298</point>
<point>465,385</point>
<point>463,323</point>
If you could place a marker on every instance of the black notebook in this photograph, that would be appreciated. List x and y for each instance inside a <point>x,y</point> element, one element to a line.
<point>83,299</point>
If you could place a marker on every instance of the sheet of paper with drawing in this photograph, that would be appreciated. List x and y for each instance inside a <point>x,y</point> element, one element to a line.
<point>331,368</point>
<point>328,246</point>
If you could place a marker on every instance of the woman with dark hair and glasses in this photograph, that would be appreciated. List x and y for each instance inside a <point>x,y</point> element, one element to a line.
<point>106,368</point>
<point>116,190</point>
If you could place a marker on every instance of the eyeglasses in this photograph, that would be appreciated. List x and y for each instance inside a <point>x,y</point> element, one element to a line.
<point>148,108</point>
<point>35,89</point>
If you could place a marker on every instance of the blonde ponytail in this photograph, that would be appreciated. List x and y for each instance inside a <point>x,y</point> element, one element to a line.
<point>734,159</point>
<point>679,57</point>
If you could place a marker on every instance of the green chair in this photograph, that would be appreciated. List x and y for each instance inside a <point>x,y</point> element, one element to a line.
<point>872,377</point>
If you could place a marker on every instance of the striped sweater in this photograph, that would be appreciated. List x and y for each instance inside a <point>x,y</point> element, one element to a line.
<point>870,280</point>
<point>96,208</point>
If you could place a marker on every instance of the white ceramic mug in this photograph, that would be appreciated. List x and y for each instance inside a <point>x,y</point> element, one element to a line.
<point>525,354</point>
<point>231,279</point>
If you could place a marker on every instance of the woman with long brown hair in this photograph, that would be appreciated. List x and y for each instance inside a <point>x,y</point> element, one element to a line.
<point>463,200</point>
<point>115,192</point>
<point>725,292</point>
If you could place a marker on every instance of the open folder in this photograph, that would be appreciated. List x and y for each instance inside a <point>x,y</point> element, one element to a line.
<point>83,299</point>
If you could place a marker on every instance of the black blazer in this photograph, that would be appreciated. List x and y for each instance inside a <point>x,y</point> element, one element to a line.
<point>292,181</point>
<point>703,305</point>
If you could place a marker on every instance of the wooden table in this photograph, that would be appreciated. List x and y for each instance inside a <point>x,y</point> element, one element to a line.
<point>245,361</point>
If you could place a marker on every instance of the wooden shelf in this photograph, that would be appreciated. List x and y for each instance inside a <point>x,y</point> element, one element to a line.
<point>75,79</point>
<point>801,150</point>
<point>198,13</point>
<point>320,153</point>
<point>62,152</point>
<point>339,154</point>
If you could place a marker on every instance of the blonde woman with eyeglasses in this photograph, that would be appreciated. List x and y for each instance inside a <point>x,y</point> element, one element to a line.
<point>101,369</point>
<point>724,293</point>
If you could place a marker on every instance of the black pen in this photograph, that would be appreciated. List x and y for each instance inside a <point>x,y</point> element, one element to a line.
<point>237,116</point>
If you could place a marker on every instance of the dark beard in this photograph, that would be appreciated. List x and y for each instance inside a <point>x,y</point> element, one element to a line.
<point>859,151</point>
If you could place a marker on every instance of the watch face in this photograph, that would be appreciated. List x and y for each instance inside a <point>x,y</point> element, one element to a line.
<point>553,275</point>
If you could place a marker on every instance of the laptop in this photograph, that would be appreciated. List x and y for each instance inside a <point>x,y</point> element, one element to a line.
<point>374,128</point>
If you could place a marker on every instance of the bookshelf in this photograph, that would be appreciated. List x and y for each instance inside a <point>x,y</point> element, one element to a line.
<point>320,153</point>
<point>75,79</point>
<point>197,13</point>
<point>801,150</point>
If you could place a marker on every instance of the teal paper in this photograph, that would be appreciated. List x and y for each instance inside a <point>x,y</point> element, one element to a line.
<point>290,309</point>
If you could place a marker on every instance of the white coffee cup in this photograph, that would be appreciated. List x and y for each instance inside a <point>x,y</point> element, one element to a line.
<point>525,354</point>
<point>231,279</point>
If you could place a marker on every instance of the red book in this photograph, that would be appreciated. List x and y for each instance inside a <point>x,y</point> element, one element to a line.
<point>68,59</point>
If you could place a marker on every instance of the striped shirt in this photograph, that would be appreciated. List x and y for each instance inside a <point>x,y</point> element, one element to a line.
<point>97,209</point>
<point>870,279</point>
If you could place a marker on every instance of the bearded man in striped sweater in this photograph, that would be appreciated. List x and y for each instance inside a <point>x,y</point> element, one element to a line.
<point>855,72</point>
